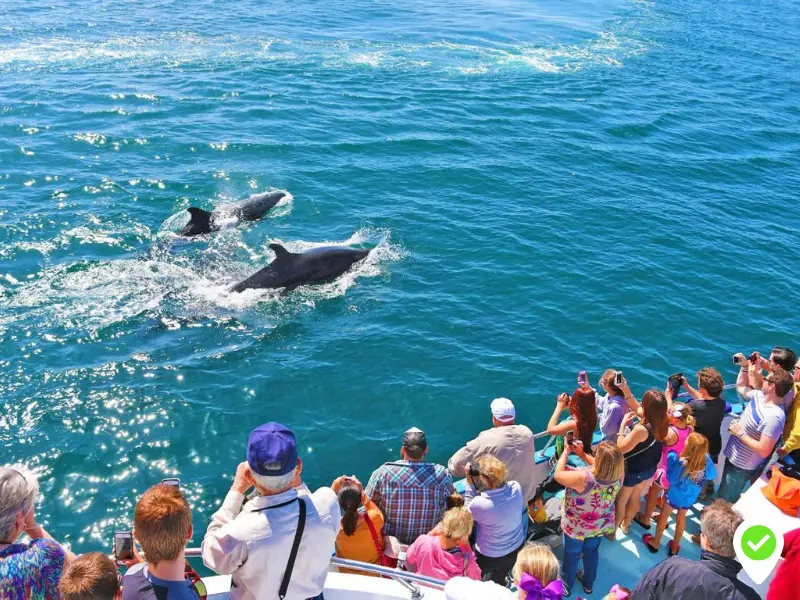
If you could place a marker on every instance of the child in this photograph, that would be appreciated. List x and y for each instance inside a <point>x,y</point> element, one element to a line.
<point>618,593</point>
<point>537,510</point>
<point>686,475</point>
<point>446,554</point>
<point>681,424</point>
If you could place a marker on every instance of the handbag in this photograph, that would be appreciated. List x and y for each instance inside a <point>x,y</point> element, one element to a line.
<point>783,491</point>
<point>383,559</point>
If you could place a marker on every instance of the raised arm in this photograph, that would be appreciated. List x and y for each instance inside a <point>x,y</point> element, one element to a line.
<point>638,434</point>
<point>553,426</point>
<point>222,551</point>
<point>574,478</point>
<point>630,399</point>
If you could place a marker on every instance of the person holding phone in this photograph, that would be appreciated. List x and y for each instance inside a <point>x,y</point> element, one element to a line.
<point>589,508</point>
<point>754,435</point>
<point>497,507</point>
<point>642,446</point>
<point>611,407</point>
<point>32,568</point>
<point>162,524</point>
<point>582,420</point>
<point>361,535</point>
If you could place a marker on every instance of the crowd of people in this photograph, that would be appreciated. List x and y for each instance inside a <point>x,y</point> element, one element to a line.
<point>275,537</point>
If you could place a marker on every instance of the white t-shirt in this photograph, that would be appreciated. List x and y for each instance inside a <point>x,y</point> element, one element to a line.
<point>758,418</point>
<point>464,588</point>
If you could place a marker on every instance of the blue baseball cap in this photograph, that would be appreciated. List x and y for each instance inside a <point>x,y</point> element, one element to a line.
<point>272,450</point>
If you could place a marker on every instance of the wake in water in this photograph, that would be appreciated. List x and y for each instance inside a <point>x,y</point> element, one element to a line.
<point>174,287</point>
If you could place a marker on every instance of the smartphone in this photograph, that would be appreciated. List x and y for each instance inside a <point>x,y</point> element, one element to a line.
<point>569,437</point>
<point>735,359</point>
<point>583,380</point>
<point>172,481</point>
<point>675,381</point>
<point>123,546</point>
<point>618,378</point>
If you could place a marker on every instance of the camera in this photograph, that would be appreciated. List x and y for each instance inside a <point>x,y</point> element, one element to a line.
<point>474,471</point>
<point>569,437</point>
<point>754,357</point>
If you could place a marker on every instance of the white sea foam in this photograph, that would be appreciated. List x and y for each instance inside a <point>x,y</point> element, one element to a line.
<point>176,49</point>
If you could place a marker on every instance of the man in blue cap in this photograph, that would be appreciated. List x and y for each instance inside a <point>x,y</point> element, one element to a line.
<point>277,545</point>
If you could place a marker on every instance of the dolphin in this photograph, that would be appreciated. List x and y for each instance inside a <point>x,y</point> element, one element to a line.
<point>254,208</point>
<point>290,270</point>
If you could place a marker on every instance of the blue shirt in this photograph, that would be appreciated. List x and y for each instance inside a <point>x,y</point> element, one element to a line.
<point>611,409</point>
<point>498,518</point>
<point>684,488</point>
<point>140,584</point>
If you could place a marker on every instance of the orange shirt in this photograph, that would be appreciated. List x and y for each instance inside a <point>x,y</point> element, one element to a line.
<point>360,546</point>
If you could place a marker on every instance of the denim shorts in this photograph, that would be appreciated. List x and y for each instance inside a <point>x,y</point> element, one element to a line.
<point>632,479</point>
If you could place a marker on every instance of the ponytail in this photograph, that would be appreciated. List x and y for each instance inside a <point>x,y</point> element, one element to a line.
<point>349,502</point>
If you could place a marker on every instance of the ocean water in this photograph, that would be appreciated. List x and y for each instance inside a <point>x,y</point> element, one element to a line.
<point>549,186</point>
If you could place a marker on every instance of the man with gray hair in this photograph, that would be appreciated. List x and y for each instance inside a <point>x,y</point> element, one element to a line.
<point>32,569</point>
<point>713,577</point>
<point>511,443</point>
<point>279,543</point>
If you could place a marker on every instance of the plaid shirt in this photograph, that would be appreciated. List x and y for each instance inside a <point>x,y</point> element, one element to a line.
<point>411,496</point>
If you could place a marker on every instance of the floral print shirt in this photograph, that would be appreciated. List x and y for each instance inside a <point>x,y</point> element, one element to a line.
<point>591,513</point>
<point>31,571</point>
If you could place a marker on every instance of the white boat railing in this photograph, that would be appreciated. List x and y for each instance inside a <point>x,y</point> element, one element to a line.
<point>408,580</point>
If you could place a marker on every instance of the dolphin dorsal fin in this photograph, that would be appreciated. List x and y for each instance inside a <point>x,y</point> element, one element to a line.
<point>198,212</point>
<point>280,252</point>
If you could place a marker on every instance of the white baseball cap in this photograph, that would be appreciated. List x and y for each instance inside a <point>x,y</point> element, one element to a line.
<point>503,410</point>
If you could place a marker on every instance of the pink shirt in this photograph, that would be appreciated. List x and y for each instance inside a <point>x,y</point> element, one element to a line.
<point>427,557</point>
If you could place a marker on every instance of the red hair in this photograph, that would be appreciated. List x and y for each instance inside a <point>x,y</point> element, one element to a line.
<point>583,408</point>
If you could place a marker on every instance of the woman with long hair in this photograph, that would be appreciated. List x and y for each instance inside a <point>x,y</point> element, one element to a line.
<point>361,534</point>
<point>589,508</point>
<point>642,447</point>
<point>582,419</point>
<point>681,426</point>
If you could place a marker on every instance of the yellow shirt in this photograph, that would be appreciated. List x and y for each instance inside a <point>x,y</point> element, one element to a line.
<point>360,546</point>
<point>791,431</point>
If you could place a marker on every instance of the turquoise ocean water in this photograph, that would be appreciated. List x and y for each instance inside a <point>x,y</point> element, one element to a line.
<point>551,186</point>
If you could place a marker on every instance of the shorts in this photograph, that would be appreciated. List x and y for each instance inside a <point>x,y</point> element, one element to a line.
<point>633,479</point>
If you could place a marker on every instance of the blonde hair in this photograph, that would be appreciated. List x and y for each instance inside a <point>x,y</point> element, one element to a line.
<point>457,523</point>
<point>537,560</point>
<point>694,453</point>
<point>686,417</point>
<point>609,463</point>
<point>493,470</point>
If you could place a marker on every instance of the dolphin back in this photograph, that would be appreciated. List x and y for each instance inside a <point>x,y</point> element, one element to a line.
<point>258,205</point>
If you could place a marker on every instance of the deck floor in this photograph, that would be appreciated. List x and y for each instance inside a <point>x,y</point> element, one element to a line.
<point>624,561</point>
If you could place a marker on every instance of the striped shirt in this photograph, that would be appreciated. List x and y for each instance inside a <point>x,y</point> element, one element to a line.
<point>758,418</point>
<point>411,496</point>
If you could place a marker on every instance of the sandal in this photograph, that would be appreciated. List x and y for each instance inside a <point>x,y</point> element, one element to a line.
<point>579,577</point>
<point>625,528</point>
<point>675,551</point>
<point>647,538</point>
<point>639,518</point>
